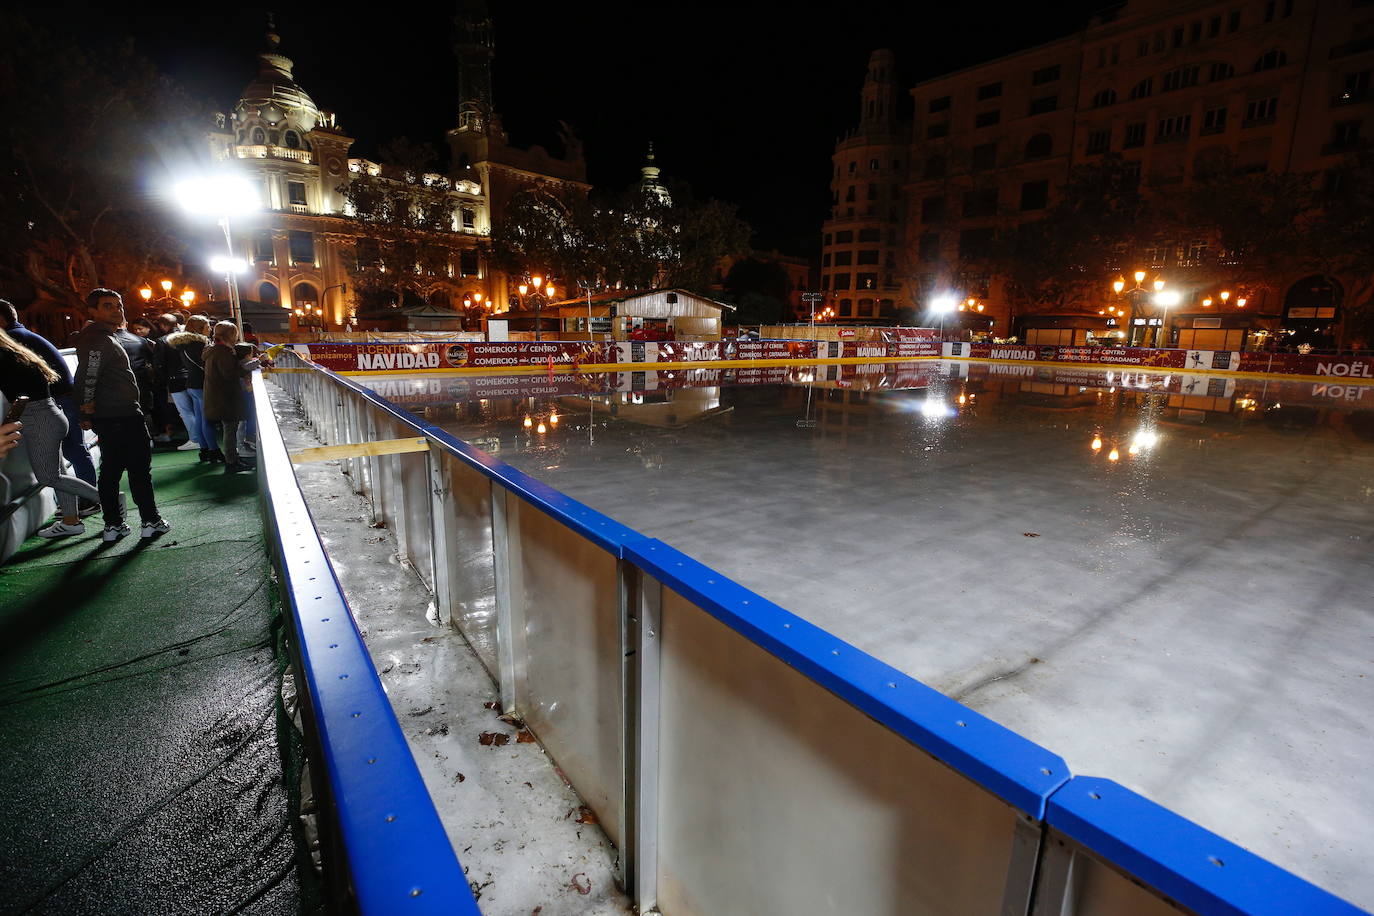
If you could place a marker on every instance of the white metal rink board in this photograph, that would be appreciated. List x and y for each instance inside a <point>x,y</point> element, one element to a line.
<point>1194,619</point>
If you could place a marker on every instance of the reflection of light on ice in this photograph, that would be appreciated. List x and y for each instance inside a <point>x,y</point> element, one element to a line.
<point>935,410</point>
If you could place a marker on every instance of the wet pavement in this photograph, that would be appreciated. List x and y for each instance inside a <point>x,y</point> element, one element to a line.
<point>138,704</point>
<point>1162,577</point>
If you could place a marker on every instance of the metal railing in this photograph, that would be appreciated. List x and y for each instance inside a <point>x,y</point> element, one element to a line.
<point>739,758</point>
<point>384,849</point>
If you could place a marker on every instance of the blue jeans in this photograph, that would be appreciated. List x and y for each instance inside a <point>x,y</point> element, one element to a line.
<point>74,445</point>
<point>205,430</point>
<point>186,407</point>
<point>250,421</point>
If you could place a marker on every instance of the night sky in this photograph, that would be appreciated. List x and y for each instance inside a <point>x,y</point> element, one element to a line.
<point>743,103</point>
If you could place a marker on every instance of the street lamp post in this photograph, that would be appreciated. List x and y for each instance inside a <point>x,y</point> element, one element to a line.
<point>222,196</point>
<point>1134,294</point>
<point>812,299</point>
<point>942,306</point>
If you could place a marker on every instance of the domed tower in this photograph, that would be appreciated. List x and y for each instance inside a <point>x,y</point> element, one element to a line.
<point>649,182</point>
<point>273,110</point>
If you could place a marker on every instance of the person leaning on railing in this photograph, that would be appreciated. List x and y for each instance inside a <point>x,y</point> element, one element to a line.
<point>225,374</point>
<point>24,374</point>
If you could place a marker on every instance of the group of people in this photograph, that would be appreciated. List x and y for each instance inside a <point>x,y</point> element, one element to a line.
<point>124,378</point>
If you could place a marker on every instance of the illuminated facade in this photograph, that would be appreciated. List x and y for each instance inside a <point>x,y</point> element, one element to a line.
<point>1282,85</point>
<point>303,247</point>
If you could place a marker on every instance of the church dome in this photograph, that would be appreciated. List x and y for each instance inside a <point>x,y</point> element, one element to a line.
<point>273,96</point>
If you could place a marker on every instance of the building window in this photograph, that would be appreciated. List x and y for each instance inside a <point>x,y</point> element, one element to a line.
<point>929,248</point>
<point>1269,11</point>
<point>468,263</point>
<point>936,131</point>
<point>1354,88</point>
<point>1195,33</point>
<point>975,244</point>
<point>1175,128</point>
<point>1045,75</point>
<point>980,203</point>
<point>842,281</point>
<point>826,241</point>
<point>849,194</point>
<point>869,235</point>
<point>873,165</point>
<point>989,91</point>
<point>1344,135</point>
<point>933,210</point>
<point>844,258</point>
<point>853,167</point>
<point>1220,71</point>
<point>844,237</point>
<point>292,140</point>
<point>865,306</point>
<point>1143,89</point>
<point>1178,37</point>
<point>1181,78</point>
<point>262,246</point>
<point>872,191</point>
<point>1142,47</point>
<point>259,137</point>
<point>825,260</point>
<point>1039,146</point>
<point>896,165</point>
<point>940,104</point>
<point>869,256</point>
<point>984,157</point>
<point>268,294</point>
<point>1214,120</point>
<point>1044,104</point>
<point>935,167</point>
<point>825,281</point>
<point>302,246</point>
<point>1271,60</point>
<point>1135,136</point>
<point>295,192</point>
<point>1099,141</point>
<point>1261,111</point>
<point>306,296</point>
<point>866,281</point>
<point>847,307</point>
<point>1104,97</point>
<point>1214,27</point>
<point>1130,174</point>
<point>986,118</point>
<point>1035,195</point>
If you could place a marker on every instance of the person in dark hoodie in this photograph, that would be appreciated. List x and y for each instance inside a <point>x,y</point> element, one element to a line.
<point>172,375</point>
<point>108,397</point>
<point>187,349</point>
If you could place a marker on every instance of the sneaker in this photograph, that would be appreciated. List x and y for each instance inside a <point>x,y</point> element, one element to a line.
<point>86,510</point>
<point>113,533</point>
<point>161,438</point>
<point>189,445</point>
<point>239,467</point>
<point>158,525</point>
<point>60,529</point>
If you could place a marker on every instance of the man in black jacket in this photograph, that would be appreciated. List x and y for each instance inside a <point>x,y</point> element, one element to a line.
<point>108,396</point>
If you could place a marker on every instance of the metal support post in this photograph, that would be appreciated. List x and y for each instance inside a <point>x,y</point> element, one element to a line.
<point>641,598</point>
<point>441,549</point>
<point>510,598</point>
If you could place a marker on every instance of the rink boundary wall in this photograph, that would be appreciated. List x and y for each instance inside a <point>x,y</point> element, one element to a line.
<point>1072,836</point>
<point>384,848</point>
<point>469,357</point>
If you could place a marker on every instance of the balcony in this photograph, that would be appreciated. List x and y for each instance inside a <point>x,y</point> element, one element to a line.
<point>298,208</point>
<point>1350,97</point>
<point>268,151</point>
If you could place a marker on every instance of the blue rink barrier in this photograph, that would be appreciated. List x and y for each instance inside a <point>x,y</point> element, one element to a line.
<point>385,850</point>
<point>869,792</point>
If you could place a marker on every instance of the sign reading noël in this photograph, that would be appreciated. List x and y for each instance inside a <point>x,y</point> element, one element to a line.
<point>1355,370</point>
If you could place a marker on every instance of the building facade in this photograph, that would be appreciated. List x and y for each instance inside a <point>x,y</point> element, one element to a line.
<point>1173,89</point>
<point>303,246</point>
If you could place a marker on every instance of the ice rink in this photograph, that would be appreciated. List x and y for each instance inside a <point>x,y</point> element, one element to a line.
<point>1164,578</point>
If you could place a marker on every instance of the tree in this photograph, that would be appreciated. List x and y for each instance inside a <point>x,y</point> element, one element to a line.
<point>407,211</point>
<point>759,290</point>
<point>1099,222</point>
<point>633,239</point>
<point>1336,241</point>
<point>81,145</point>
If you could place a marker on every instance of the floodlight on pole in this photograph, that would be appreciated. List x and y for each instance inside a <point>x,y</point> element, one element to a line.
<point>942,306</point>
<point>222,197</point>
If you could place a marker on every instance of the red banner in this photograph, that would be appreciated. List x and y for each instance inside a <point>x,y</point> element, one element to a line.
<point>1124,356</point>
<point>1337,367</point>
